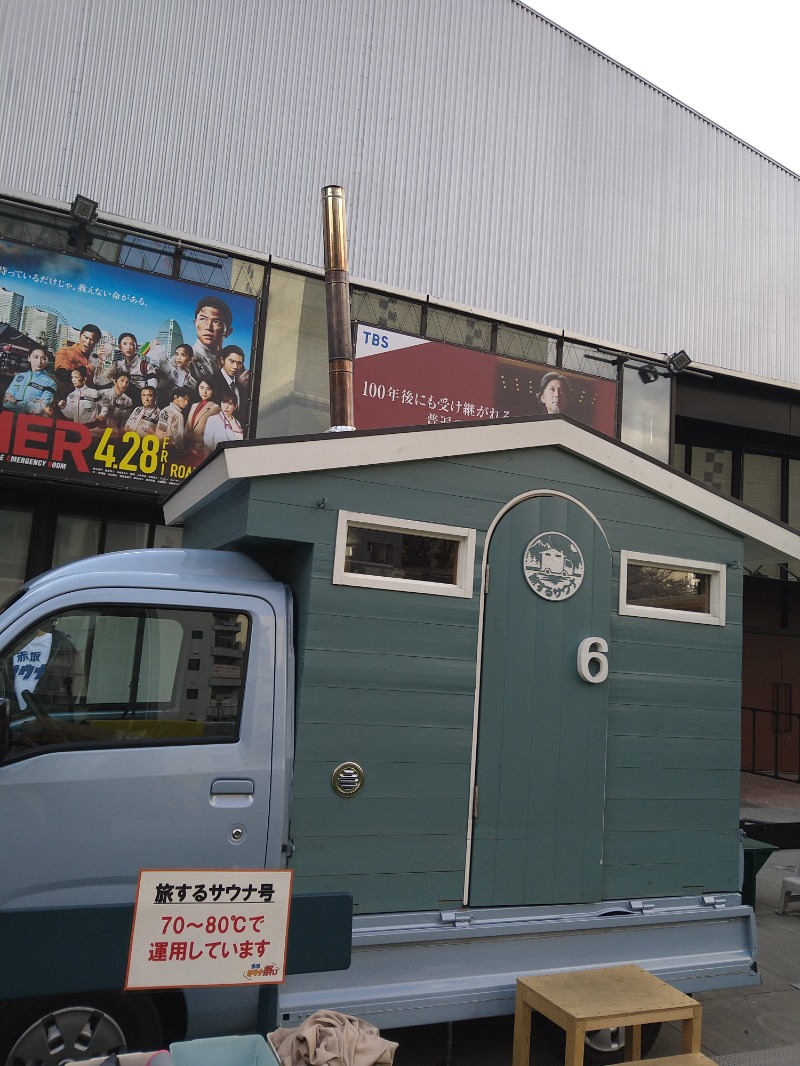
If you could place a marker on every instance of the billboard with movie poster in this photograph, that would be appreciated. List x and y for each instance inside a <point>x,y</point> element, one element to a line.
<point>115,377</point>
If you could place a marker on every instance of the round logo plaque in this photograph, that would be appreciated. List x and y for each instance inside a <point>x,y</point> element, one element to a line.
<point>553,566</point>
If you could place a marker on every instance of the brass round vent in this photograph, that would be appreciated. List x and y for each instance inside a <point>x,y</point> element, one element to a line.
<point>347,778</point>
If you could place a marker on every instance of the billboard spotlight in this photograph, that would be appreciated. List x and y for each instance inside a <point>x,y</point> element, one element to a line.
<point>83,210</point>
<point>678,362</point>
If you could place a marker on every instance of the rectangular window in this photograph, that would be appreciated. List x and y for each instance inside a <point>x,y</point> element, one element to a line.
<point>794,493</point>
<point>680,590</point>
<point>713,466</point>
<point>17,524</point>
<point>761,483</point>
<point>646,412</point>
<point>119,675</point>
<point>379,552</point>
<point>453,328</point>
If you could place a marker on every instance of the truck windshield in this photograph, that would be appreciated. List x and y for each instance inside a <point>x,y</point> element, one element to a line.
<point>103,675</point>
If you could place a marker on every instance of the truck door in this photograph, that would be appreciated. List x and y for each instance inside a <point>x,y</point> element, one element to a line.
<point>136,739</point>
<point>540,766</point>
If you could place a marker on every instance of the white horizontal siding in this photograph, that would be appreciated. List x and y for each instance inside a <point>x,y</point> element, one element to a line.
<point>489,159</point>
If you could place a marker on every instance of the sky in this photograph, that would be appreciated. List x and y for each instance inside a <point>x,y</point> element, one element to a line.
<point>734,62</point>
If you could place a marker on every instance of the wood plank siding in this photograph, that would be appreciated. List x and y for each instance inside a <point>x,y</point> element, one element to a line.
<point>387,679</point>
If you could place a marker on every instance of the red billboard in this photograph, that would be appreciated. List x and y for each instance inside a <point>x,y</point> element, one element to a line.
<point>402,380</point>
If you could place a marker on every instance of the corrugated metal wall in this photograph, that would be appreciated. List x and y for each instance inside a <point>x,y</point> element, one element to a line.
<point>489,159</point>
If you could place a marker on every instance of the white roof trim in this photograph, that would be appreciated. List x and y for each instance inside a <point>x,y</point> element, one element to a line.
<point>332,452</point>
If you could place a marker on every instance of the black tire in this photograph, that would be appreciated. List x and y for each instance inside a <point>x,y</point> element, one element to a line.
<point>603,1047</point>
<point>81,1026</point>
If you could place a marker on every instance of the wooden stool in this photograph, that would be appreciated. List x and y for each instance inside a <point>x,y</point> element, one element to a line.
<point>583,1000</point>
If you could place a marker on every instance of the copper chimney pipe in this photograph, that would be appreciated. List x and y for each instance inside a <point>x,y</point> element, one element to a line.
<point>337,302</point>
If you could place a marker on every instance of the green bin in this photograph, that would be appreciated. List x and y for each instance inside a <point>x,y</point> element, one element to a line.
<point>756,853</point>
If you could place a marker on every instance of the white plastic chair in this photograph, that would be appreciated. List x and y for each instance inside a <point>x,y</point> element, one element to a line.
<point>790,889</point>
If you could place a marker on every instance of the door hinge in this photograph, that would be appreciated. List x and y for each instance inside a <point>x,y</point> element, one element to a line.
<point>717,902</point>
<point>475,802</point>
<point>460,919</point>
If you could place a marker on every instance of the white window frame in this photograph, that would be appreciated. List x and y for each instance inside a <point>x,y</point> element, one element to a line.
<point>716,571</point>
<point>465,555</point>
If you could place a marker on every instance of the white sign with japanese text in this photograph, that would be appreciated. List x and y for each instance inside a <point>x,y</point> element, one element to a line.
<point>202,928</point>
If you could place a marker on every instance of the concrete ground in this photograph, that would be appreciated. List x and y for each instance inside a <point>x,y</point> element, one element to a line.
<point>741,1026</point>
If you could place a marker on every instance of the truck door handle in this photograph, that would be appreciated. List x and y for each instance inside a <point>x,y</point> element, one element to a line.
<point>226,792</point>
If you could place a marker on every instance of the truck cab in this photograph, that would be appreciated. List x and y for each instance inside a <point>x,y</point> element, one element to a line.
<point>148,722</point>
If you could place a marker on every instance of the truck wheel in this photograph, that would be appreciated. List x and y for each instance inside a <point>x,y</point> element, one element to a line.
<point>603,1046</point>
<point>608,1045</point>
<point>48,1032</point>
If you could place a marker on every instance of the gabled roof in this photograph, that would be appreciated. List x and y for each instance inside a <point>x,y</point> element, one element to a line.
<point>766,541</point>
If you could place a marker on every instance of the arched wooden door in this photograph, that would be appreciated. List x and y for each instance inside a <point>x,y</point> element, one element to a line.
<point>541,752</point>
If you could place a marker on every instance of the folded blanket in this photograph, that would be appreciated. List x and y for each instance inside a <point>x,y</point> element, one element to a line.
<point>328,1038</point>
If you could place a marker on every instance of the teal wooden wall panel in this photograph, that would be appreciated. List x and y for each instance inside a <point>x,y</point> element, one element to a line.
<point>642,689</point>
<point>643,815</point>
<point>414,673</point>
<point>391,782</point>
<point>688,844</point>
<point>408,657</point>
<point>427,746</point>
<point>663,662</point>
<point>675,878</point>
<point>385,893</point>
<point>382,491</point>
<point>291,522</point>
<point>681,633</point>
<point>691,753</point>
<point>663,720</point>
<point>450,490</point>
<point>669,636</point>
<point>656,782</point>
<point>382,853</point>
<point>365,608</point>
<point>615,502</point>
<point>379,635</point>
<point>222,524</point>
<point>502,475</point>
<point>365,706</point>
<point>548,857</point>
<point>388,672</point>
<point>353,602</point>
<point>347,817</point>
<point>657,529</point>
<point>671,639</point>
<point>419,813</point>
<point>470,487</point>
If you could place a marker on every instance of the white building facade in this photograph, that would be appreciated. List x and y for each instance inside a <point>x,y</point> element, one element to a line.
<point>510,190</point>
<point>490,159</point>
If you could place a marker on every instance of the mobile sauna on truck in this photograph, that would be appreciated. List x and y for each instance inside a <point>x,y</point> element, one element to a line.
<point>375,679</point>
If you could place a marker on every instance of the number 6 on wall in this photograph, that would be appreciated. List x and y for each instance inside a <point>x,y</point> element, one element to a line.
<point>592,655</point>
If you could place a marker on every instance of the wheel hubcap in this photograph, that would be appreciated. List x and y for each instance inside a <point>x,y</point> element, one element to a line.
<point>74,1032</point>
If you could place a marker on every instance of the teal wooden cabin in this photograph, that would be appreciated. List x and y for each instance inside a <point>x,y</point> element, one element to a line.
<point>501,766</point>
